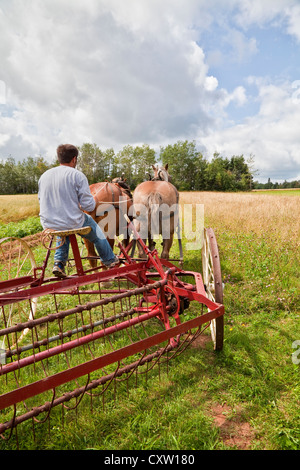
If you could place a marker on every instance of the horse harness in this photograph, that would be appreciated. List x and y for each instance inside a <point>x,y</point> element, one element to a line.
<point>114,204</point>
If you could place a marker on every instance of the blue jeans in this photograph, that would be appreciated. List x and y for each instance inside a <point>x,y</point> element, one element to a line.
<point>95,236</point>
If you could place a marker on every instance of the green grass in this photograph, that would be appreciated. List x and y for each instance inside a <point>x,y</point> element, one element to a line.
<point>21,228</point>
<point>253,376</point>
<point>278,192</point>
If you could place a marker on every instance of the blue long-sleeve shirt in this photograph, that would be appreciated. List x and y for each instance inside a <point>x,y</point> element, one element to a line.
<point>62,190</point>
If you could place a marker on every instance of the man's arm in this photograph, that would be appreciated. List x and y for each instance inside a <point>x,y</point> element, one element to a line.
<point>85,198</point>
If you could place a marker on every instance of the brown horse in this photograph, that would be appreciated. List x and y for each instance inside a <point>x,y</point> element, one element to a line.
<point>113,200</point>
<point>156,210</point>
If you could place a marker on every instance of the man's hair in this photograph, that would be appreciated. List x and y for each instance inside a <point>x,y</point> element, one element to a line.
<point>66,153</point>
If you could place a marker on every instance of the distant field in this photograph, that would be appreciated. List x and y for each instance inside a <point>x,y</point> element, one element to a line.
<point>22,206</point>
<point>248,212</point>
<point>278,192</point>
<point>18,207</point>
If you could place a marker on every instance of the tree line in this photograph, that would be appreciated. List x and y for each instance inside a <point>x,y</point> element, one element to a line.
<point>276,185</point>
<point>189,169</point>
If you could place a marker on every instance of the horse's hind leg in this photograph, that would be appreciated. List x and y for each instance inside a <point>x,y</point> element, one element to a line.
<point>167,243</point>
<point>168,236</point>
<point>151,242</point>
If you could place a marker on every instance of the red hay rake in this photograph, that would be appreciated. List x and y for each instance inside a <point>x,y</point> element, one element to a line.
<point>64,339</point>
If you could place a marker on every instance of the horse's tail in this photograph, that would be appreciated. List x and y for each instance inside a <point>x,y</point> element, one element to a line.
<point>154,202</point>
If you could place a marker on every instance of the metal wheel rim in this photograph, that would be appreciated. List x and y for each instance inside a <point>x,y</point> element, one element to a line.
<point>212,279</point>
<point>18,260</point>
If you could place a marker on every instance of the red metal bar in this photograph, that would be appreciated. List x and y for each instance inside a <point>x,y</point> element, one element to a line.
<point>64,286</point>
<point>5,369</point>
<point>192,295</point>
<point>80,308</point>
<point>79,391</point>
<point>199,284</point>
<point>49,383</point>
<point>76,253</point>
<point>17,282</point>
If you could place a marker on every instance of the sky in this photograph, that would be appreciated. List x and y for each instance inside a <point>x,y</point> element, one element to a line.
<point>222,73</point>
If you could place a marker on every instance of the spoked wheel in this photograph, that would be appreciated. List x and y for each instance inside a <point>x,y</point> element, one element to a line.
<point>16,260</point>
<point>212,279</point>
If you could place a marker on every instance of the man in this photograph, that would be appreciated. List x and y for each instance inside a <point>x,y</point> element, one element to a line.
<point>64,194</point>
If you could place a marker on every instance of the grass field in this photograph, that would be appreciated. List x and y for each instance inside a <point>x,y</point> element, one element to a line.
<point>244,397</point>
<point>278,192</point>
<point>18,207</point>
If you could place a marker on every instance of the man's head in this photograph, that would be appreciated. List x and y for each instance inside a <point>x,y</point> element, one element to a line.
<point>66,153</point>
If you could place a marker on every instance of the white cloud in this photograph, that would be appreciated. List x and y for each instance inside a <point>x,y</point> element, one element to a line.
<point>211,83</point>
<point>293,16</point>
<point>278,13</point>
<point>104,72</point>
<point>117,73</point>
<point>272,135</point>
<point>242,47</point>
<point>262,12</point>
<point>239,95</point>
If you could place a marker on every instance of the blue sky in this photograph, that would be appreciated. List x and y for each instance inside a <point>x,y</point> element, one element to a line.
<point>224,73</point>
<point>273,55</point>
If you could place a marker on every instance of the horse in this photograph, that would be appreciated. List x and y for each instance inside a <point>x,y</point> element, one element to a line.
<point>113,200</point>
<point>156,210</point>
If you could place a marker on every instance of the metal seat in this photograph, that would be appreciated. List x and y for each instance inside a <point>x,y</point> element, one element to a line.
<point>66,233</point>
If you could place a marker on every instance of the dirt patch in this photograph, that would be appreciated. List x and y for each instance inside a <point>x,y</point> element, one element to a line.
<point>233,430</point>
<point>201,341</point>
<point>33,240</point>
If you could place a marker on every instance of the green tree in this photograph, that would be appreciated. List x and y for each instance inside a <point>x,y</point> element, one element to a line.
<point>200,167</point>
<point>124,165</point>
<point>29,172</point>
<point>184,161</point>
<point>218,176</point>
<point>134,163</point>
<point>9,177</point>
<point>28,176</point>
<point>223,174</point>
<point>109,159</point>
<point>251,169</point>
<point>143,159</point>
<point>240,171</point>
<point>94,163</point>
